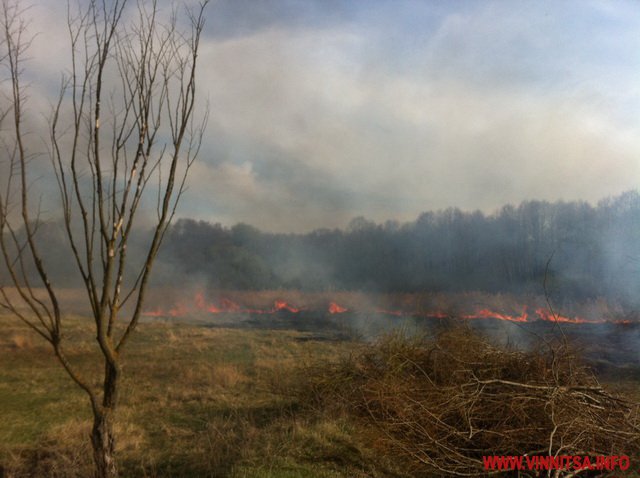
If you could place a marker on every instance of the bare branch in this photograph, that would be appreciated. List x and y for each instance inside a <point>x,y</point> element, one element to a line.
<point>124,117</point>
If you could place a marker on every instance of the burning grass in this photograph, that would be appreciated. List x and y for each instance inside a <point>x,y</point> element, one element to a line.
<point>441,404</point>
<point>467,306</point>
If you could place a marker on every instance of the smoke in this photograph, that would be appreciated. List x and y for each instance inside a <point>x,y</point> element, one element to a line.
<point>397,108</point>
<point>321,112</point>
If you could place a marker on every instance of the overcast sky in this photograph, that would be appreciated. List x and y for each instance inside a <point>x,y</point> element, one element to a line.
<point>326,110</point>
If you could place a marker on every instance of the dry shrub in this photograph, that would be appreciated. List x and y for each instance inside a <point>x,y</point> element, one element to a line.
<point>443,403</point>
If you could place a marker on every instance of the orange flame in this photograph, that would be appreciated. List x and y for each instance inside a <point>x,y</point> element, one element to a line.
<point>336,309</point>
<point>489,314</point>
<point>225,305</point>
<point>282,305</point>
<point>549,317</point>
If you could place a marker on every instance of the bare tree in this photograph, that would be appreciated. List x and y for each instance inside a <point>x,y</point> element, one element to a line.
<point>122,130</point>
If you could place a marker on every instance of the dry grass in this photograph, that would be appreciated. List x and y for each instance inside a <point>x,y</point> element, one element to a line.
<point>210,402</point>
<point>196,402</point>
<point>441,404</point>
<point>21,341</point>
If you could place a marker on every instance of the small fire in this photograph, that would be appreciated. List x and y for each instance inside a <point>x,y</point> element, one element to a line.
<point>201,305</point>
<point>489,314</point>
<point>336,309</point>
<point>282,305</point>
<point>548,316</point>
<point>227,306</point>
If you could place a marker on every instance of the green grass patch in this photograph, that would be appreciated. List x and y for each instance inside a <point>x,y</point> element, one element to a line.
<point>195,402</point>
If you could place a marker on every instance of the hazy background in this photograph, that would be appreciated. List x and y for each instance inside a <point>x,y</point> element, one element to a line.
<point>321,111</point>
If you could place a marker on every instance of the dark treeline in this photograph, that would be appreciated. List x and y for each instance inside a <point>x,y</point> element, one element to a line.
<point>592,251</point>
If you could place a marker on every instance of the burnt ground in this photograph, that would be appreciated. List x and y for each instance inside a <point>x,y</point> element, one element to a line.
<point>612,349</point>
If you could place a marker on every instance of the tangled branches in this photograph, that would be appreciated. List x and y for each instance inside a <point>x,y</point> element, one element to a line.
<point>443,404</point>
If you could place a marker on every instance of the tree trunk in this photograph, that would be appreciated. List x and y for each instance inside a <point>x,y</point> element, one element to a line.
<point>103,441</point>
<point>102,435</point>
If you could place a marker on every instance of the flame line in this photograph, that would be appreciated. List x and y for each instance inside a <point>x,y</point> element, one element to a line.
<point>227,306</point>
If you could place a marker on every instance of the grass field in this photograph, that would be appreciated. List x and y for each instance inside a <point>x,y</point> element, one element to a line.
<point>196,402</point>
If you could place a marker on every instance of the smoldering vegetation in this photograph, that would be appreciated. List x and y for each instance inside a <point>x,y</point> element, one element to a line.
<point>605,336</point>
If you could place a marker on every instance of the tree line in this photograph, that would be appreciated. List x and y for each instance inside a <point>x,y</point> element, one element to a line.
<point>579,250</point>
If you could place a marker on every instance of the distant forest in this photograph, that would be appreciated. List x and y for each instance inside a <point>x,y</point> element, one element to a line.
<point>591,251</point>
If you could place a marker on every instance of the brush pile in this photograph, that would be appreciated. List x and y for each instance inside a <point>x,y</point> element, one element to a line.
<point>444,403</point>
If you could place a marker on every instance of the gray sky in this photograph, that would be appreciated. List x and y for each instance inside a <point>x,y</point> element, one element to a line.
<point>326,110</point>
